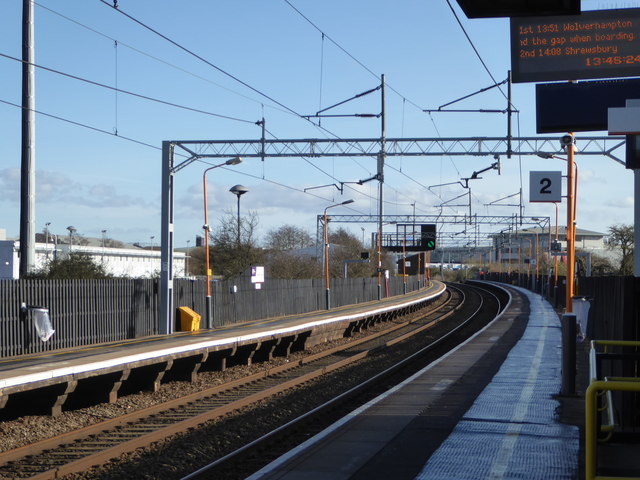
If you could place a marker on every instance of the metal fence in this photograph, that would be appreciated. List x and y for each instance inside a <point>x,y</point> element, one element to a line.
<point>614,313</point>
<point>86,312</point>
<point>83,312</point>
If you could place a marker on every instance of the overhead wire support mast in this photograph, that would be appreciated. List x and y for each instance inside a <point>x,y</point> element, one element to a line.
<point>372,148</point>
<point>320,113</point>
<point>509,110</point>
<point>482,90</point>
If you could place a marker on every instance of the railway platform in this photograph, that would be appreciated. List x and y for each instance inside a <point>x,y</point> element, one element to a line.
<point>488,409</point>
<point>55,380</point>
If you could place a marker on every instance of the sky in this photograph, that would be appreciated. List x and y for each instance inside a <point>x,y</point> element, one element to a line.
<point>98,157</point>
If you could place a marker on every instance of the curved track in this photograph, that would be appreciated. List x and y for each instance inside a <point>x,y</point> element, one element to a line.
<point>478,308</point>
<point>77,451</point>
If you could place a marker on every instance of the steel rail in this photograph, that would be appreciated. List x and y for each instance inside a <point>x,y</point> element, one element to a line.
<point>110,428</point>
<point>259,443</point>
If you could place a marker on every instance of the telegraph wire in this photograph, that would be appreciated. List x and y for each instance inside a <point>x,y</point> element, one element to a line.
<point>324,35</point>
<point>233,77</point>
<point>474,47</point>
<point>404,98</point>
<point>199,57</point>
<point>84,125</point>
<point>221,71</point>
<point>155,147</point>
<point>126,92</point>
<point>153,57</point>
<point>278,184</point>
<point>332,177</point>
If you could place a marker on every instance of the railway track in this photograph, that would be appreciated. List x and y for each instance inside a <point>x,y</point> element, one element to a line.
<point>243,462</point>
<point>79,450</point>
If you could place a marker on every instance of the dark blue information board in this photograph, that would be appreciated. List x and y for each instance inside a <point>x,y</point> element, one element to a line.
<point>596,44</point>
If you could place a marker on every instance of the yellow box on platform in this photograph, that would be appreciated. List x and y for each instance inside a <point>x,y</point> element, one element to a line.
<point>189,320</point>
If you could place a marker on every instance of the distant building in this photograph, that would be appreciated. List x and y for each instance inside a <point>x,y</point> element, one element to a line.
<point>120,262</point>
<point>509,245</point>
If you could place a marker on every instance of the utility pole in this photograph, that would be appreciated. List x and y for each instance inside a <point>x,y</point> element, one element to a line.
<point>28,167</point>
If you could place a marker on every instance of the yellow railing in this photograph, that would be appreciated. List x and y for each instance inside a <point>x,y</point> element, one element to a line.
<point>604,388</point>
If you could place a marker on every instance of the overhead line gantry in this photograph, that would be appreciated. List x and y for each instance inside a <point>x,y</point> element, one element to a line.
<point>378,148</point>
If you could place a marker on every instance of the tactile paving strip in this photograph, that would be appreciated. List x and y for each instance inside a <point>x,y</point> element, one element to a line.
<point>512,430</point>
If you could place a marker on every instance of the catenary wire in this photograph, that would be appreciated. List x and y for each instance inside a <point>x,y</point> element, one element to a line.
<point>473,46</point>
<point>153,57</point>
<point>404,98</point>
<point>199,57</point>
<point>190,52</point>
<point>84,125</point>
<point>235,78</point>
<point>126,92</point>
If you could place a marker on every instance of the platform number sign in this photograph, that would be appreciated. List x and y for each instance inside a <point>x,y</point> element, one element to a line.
<point>545,186</point>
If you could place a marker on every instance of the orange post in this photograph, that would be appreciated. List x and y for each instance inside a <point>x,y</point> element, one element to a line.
<point>571,227</point>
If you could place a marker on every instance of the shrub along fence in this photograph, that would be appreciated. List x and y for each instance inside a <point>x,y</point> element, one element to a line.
<point>86,312</point>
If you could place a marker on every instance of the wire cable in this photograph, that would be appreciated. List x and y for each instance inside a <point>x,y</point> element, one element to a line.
<point>199,57</point>
<point>126,92</point>
<point>84,125</point>
<point>233,77</point>
<point>349,54</point>
<point>473,46</point>
<point>153,57</point>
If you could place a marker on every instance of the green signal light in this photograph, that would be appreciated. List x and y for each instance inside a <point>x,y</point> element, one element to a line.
<point>431,244</point>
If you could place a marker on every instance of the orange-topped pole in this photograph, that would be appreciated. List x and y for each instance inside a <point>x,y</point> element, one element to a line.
<point>571,226</point>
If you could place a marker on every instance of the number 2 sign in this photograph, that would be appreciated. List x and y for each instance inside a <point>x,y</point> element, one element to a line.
<point>545,186</point>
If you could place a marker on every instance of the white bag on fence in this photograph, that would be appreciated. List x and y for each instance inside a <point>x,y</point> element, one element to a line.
<point>42,323</point>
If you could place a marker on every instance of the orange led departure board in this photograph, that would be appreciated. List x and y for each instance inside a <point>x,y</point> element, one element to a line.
<point>594,44</point>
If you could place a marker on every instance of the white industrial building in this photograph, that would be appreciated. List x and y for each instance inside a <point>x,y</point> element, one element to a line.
<point>133,262</point>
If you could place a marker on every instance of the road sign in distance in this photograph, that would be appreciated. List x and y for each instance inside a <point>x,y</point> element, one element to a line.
<point>545,186</point>
<point>594,44</point>
<point>517,8</point>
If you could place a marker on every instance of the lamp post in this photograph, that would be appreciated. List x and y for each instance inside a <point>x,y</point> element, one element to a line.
<point>46,239</point>
<point>72,230</point>
<point>186,265</point>
<point>572,200</point>
<point>104,238</point>
<point>238,190</point>
<point>232,161</point>
<point>326,250</point>
<point>404,262</point>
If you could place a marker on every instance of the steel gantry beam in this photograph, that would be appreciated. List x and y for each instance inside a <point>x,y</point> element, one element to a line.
<point>607,146</point>
<point>191,150</point>
<point>477,229</point>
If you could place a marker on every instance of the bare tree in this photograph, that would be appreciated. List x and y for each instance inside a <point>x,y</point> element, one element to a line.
<point>347,246</point>
<point>230,257</point>
<point>621,237</point>
<point>288,237</point>
<point>284,259</point>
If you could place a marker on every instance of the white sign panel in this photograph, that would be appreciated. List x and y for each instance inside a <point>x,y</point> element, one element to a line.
<point>257,274</point>
<point>624,120</point>
<point>545,186</point>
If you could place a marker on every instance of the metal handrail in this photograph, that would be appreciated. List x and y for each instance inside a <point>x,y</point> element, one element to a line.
<point>603,388</point>
<point>591,422</point>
